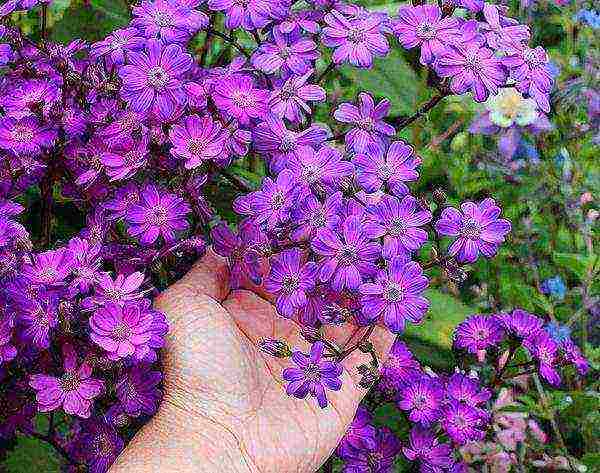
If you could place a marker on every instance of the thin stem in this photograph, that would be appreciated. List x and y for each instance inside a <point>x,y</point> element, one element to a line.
<point>230,40</point>
<point>207,44</point>
<point>59,448</point>
<point>403,123</point>
<point>328,466</point>
<point>325,72</point>
<point>44,21</point>
<point>46,210</point>
<point>237,181</point>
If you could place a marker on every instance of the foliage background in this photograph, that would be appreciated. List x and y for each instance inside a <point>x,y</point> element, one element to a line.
<point>552,232</point>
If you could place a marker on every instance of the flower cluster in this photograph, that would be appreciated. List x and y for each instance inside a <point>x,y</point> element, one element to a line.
<point>130,131</point>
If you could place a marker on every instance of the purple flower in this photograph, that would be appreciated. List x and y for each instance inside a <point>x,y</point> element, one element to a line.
<point>158,214</point>
<point>348,255</point>
<point>117,44</point>
<point>50,267</point>
<point>400,368</point>
<point>238,98</point>
<point>361,434</point>
<point>313,375</point>
<point>423,26</point>
<point>168,20</point>
<point>30,99</point>
<point>312,214</point>
<point>572,354</point>
<point>250,15</point>
<point>478,332</point>
<point>241,251</point>
<point>290,100</point>
<point>118,290</point>
<point>39,317</point>
<point>122,330</point>
<point>377,460</point>
<point>293,53</point>
<point>272,204</point>
<point>74,391</point>
<point>126,159</point>
<point>423,399</point>
<point>25,136</point>
<point>521,324</point>
<point>320,169</point>
<point>98,444</point>
<point>396,294</point>
<point>466,390</point>
<point>501,32</point>
<point>7,350</point>
<point>472,67</point>
<point>370,130</point>
<point>545,350</point>
<point>197,140</point>
<point>152,79</point>
<point>478,228</point>
<point>138,391</point>
<point>86,264</point>
<point>463,423</point>
<point>425,446</point>
<point>398,222</point>
<point>391,169</point>
<point>355,41</point>
<point>125,197</point>
<point>289,280</point>
<point>530,68</point>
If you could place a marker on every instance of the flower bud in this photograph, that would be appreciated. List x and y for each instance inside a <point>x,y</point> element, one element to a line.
<point>439,196</point>
<point>274,347</point>
<point>310,334</point>
<point>369,377</point>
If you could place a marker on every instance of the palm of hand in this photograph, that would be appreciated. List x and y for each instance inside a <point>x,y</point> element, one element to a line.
<point>215,372</point>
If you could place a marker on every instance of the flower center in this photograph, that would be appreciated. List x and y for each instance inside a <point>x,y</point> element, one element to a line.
<point>158,77</point>
<point>102,445</point>
<point>374,460</point>
<point>473,62</point>
<point>310,173</point>
<point>22,134</point>
<point>356,35</point>
<point>385,172</point>
<point>290,283</point>
<point>288,143</point>
<point>312,372</point>
<point>121,332</point>
<point>48,275</point>
<point>117,42</point>
<point>393,293</point>
<point>531,58</point>
<point>397,227</point>
<point>471,229</point>
<point>285,53</point>
<point>278,200</point>
<point>288,92</point>
<point>347,256</point>
<point>482,334</point>
<point>366,124</point>
<point>113,294</point>
<point>70,382</point>
<point>425,31</point>
<point>133,158</point>
<point>158,216</point>
<point>243,99</point>
<point>319,219</point>
<point>162,19</point>
<point>196,146</point>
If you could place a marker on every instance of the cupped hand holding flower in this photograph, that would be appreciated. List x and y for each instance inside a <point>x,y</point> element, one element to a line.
<point>225,406</point>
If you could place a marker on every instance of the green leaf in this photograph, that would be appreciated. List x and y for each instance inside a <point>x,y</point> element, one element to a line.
<point>31,455</point>
<point>391,77</point>
<point>581,265</point>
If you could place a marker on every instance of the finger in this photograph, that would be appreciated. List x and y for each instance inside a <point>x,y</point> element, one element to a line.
<point>208,277</point>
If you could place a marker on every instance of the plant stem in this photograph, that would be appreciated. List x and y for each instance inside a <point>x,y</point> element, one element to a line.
<point>404,122</point>
<point>230,40</point>
<point>44,21</point>
<point>46,210</point>
<point>237,181</point>
<point>59,448</point>
<point>325,72</point>
<point>328,466</point>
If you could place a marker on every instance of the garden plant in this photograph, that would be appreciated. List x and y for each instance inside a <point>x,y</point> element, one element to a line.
<point>424,173</point>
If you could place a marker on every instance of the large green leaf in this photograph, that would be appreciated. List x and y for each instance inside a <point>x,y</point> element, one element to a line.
<point>582,266</point>
<point>31,455</point>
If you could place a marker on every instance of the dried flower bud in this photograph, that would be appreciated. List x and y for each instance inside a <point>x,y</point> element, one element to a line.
<point>369,377</point>
<point>439,196</point>
<point>274,347</point>
<point>310,334</point>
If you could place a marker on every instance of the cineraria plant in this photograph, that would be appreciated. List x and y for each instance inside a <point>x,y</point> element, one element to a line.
<point>134,133</point>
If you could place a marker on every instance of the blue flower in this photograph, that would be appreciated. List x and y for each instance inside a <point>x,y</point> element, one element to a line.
<point>555,287</point>
<point>559,333</point>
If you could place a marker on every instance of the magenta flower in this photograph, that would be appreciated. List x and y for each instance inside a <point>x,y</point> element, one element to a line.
<point>400,368</point>
<point>125,197</point>
<point>423,399</point>
<point>126,159</point>
<point>289,280</point>
<point>531,70</point>
<point>152,80</point>
<point>396,294</point>
<point>478,228</point>
<point>356,41</point>
<point>423,26</point>
<point>117,44</point>
<point>502,32</point>
<point>168,20</point>
<point>370,130</point>
<point>348,255</point>
<point>86,264</point>
<point>118,290</point>
<point>38,318</point>
<point>312,375</point>
<point>291,99</point>
<point>521,324</point>
<point>398,222</point>
<point>239,98</point>
<point>545,350</point>
<point>122,330</point>
<point>572,354</point>
<point>74,391</point>
<point>7,350</point>
<point>361,434</point>
<point>250,15</point>
<point>322,169</point>
<point>463,423</point>
<point>158,214</point>
<point>478,332</point>
<point>138,391</point>
<point>472,67</point>
<point>287,54</point>
<point>197,140</point>
<point>424,446</point>
<point>272,137</point>
<point>25,136</point>
<point>312,214</point>
<point>98,444</point>
<point>466,390</point>
<point>390,169</point>
<point>50,267</point>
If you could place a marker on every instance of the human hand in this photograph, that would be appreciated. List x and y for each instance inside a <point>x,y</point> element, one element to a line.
<point>225,406</point>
